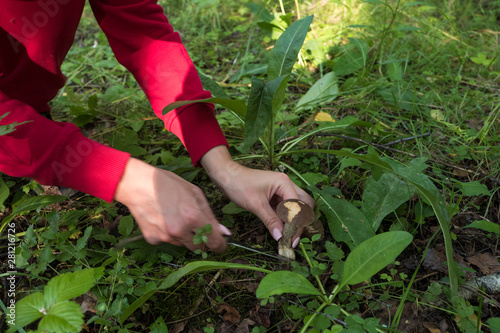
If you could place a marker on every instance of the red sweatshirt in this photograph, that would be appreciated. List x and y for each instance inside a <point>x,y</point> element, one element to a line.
<point>35,36</point>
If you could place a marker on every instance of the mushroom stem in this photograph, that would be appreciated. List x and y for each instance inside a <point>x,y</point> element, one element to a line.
<point>285,243</point>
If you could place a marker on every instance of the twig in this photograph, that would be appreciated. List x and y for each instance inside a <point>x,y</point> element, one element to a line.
<point>408,139</point>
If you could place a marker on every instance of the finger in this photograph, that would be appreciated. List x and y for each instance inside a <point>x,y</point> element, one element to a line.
<point>270,219</point>
<point>302,195</point>
<point>296,237</point>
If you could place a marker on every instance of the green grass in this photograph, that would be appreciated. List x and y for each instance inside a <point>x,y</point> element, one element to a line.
<point>430,73</point>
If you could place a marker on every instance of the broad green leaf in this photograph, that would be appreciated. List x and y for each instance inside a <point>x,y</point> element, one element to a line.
<point>191,268</point>
<point>82,241</point>
<point>394,70</point>
<point>28,309</point>
<point>261,12</point>
<point>248,69</point>
<point>30,236</point>
<point>473,188</point>
<point>382,197</point>
<point>287,47</point>
<point>346,222</point>
<point>259,112</point>
<point>65,316</point>
<point>324,90</point>
<point>352,59</point>
<point>30,204</point>
<point>277,283</point>
<point>68,285</point>
<point>486,226</point>
<point>339,125</point>
<point>412,174</point>
<point>316,48</point>
<point>372,255</point>
<point>264,100</point>
<point>158,326</point>
<point>494,324</point>
<point>126,225</point>
<point>399,97</point>
<point>237,106</point>
<point>212,86</point>
<point>4,193</point>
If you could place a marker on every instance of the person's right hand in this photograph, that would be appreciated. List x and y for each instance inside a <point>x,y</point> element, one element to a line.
<point>168,208</point>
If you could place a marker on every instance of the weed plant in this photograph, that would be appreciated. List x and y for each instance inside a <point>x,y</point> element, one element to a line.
<point>390,118</point>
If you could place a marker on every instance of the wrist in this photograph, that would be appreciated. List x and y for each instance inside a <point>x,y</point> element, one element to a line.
<point>136,175</point>
<point>216,159</point>
<point>219,165</point>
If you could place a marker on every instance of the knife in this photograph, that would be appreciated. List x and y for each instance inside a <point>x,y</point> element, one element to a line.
<point>230,241</point>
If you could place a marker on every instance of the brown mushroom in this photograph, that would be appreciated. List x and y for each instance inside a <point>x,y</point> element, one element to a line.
<point>295,214</point>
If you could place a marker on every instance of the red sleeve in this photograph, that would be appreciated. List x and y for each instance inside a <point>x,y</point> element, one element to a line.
<point>145,43</point>
<point>57,153</point>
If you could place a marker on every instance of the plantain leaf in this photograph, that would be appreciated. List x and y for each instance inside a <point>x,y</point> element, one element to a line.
<point>172,279</point>
<point>237,106</point>
<point>265,99</point>
<point>287,47</point>
<point>277,283</point>
<point>384,196</point>
<point>346,222</point>
<point>324,90</point>
<point>372,255</point>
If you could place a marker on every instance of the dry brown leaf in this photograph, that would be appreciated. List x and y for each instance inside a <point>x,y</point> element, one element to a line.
<point>228,313</point>
<point>178,328</point>
<point>432,327</point>
<point>486,262</point>
<point>243,327</point>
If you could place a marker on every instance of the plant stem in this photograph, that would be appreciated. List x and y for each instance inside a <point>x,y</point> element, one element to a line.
<point>282,7</point>
<point>298,9</point>
<point>320,285</point>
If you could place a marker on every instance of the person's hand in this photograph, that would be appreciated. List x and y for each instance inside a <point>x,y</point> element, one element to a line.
<point>167,208</point>
<point>255,190</point>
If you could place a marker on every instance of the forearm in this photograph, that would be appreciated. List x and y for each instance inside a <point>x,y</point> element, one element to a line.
<point>146,44</point>
<point>55,153</point>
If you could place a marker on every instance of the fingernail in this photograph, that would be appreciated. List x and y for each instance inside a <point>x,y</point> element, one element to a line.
<point>276,233</point>
<point>296,242</point>
<point>224,230</point>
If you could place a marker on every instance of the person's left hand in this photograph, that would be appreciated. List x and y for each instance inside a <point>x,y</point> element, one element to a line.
<point>255,190</point>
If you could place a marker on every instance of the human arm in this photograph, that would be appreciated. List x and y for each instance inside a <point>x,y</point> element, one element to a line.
<point>56,153</point>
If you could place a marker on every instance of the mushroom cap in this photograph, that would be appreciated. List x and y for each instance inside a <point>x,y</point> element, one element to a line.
<point>296,212</point>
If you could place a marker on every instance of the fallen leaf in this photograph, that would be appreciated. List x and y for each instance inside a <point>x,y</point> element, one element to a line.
<point>87,302</point>
<point>178,328</point>
<point>243,327</point>
<point>324,116</point>
<point>228,313</point>
<point>260,318</point>
<point>486,262</point>
<point>432,327</point>
<point>435,260</point>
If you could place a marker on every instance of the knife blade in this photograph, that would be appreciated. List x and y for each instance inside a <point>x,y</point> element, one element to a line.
<point>230,241</point>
